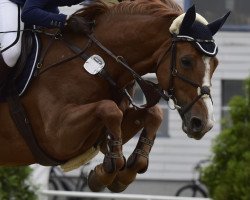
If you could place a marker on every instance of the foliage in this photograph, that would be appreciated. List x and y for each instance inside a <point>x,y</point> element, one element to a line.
<point>15,185</point>
<point>228,175</point>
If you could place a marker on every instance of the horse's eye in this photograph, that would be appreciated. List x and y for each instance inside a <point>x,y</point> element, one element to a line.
<point>186,62</point>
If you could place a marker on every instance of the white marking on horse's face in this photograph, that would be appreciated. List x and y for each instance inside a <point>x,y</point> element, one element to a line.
<point>208,102</point>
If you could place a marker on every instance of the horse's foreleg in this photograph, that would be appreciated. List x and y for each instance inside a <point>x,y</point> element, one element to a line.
<point>138,160</point>
<point>104,174</point>
<point>76,125</point>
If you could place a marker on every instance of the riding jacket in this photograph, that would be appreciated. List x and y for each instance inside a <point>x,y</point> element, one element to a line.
<point>44,13</point>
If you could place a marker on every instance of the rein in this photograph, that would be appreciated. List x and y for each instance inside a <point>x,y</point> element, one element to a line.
<point>153,93</point>
<point>147,86</point>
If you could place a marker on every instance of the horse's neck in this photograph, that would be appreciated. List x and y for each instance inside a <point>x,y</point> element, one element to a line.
<point>137,40</point>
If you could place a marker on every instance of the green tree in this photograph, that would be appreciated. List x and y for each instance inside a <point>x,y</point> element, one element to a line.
<point>15,184</point>
<point>228,175</point>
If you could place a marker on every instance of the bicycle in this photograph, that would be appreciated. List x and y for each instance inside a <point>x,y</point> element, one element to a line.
<point>195,188</point>
<point>58,180</point>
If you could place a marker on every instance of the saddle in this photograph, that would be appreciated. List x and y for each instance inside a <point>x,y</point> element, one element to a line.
<point>26,65</point>
<point>23,72</point>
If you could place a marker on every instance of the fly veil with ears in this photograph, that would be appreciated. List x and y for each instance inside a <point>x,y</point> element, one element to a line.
<point>193,27</point>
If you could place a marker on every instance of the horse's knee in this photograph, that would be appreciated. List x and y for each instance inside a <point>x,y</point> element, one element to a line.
<point>108,110</point>
<point>154,115</point>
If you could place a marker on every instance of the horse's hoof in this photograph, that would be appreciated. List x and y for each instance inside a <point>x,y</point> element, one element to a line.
<point>117,186</point>
<point>95,185</point>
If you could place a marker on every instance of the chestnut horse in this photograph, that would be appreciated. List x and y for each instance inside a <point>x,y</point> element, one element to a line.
<point>71,110</point>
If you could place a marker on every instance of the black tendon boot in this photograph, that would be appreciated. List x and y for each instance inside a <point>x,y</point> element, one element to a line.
<point>4,71</point>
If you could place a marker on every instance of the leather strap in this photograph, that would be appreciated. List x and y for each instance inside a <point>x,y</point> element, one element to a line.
<point>23,125</point>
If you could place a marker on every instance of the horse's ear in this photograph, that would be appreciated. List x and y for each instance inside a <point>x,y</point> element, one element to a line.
<point>216,25</point>
<point>189,19</point>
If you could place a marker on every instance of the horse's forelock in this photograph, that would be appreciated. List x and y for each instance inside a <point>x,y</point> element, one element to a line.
<point>158,8</point>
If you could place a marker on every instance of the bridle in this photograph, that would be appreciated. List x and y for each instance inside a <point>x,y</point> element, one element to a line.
<point>153,92</point>
<point>204,90</point>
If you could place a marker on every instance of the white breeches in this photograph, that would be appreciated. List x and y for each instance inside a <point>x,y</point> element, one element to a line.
<point>10,43</point>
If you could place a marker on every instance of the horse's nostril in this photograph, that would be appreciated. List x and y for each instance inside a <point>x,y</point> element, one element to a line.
<point>196,124</point>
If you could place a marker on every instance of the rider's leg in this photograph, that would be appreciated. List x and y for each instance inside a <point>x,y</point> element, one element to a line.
<point>10,43</point>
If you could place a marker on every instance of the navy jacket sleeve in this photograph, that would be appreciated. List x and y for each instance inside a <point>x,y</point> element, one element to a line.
<point>45,12</point>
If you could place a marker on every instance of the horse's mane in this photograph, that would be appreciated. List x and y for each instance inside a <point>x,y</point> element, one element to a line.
<point>157,8</point>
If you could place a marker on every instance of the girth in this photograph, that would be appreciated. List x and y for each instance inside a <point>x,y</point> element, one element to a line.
<point>20,118</point>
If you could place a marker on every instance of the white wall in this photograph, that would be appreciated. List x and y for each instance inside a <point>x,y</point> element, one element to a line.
<point>180,2</point>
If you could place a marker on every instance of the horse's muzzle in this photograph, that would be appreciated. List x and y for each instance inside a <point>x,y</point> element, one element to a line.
<point>195,127</point>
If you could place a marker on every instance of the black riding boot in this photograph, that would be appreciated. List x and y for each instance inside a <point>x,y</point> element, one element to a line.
<point>4,71</point>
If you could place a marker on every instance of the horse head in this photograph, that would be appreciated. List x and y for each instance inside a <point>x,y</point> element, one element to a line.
<point>190,66</point>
